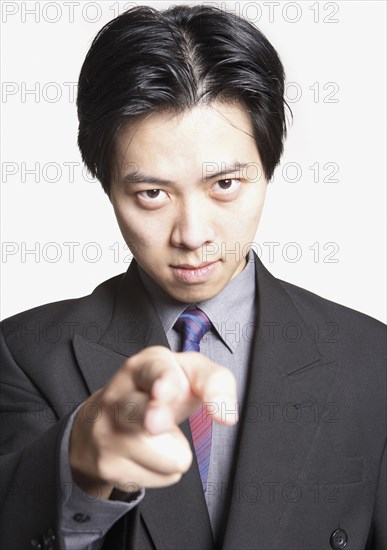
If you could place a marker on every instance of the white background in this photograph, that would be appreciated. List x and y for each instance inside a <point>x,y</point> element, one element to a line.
<point>44,44</point>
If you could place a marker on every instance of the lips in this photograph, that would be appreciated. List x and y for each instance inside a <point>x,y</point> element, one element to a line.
<point>187,273</point>
<point>188,266</point>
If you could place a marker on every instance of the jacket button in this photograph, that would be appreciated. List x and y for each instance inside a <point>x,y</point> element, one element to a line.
<point>81,518</point>
<point>48,540</point>
<point>339,539</point>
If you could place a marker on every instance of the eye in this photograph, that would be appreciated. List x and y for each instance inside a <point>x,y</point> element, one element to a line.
<point>152,195</point>
<point>226,186</point>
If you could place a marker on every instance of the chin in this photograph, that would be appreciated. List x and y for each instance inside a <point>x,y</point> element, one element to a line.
<point>193,294</point>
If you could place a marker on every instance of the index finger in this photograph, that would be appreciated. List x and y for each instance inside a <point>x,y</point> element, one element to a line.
<point>156,371</point>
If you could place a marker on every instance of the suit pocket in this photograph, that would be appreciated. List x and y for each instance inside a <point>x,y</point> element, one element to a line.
<point>336,470</point>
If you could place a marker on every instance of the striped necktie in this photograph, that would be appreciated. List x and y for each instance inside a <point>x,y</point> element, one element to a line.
<point>192,324</point>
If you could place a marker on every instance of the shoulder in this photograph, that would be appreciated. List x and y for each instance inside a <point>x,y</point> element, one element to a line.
<point>355,328</point>
<point>60,320</point>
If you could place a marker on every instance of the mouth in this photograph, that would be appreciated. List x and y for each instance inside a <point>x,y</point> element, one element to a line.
<point>189,266</point>
<point>188,273</point>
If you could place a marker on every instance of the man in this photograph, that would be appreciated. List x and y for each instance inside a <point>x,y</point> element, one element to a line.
<point>132,440</point>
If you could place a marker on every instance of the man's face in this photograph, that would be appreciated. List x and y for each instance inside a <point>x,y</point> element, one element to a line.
<point>192,199</point>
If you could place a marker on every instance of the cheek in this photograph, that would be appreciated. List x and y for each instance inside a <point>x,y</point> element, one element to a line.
<point>243,220</point>
<point>141,230</point>
<point>253,207</point>
<point>130,225</point>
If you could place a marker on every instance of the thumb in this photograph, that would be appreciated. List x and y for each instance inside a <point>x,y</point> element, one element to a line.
<point>213,384</point>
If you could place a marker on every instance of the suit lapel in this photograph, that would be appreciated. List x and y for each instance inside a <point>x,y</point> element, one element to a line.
<point>288,379</point>
<point>133,326</point>
<point>176,517</point>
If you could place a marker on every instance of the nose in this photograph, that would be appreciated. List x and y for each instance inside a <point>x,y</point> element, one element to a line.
<point>193,226</point>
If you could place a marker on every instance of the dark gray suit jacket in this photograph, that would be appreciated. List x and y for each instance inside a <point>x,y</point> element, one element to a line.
<point>310,473</point>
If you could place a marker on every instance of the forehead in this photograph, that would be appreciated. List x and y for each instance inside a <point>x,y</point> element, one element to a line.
<point>216,132</point>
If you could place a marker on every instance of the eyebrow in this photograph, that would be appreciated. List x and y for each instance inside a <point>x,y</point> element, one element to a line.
<point>140,177</point>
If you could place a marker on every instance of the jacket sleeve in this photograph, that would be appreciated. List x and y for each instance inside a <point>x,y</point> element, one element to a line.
<point>84,520</point>
<point>29,446</point>
<point>40,504</point>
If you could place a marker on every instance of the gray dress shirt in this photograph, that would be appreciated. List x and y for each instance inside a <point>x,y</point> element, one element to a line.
<point>228,342</point>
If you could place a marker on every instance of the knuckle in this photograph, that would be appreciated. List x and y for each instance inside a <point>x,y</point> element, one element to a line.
<point>156,352</point>
<point>105,471</point>
<point>159,349</point>
<point>185,461</point>
<point>225,376</point>
<point>160,357</point>
<point>176,478</point>
<point>108,397</point>
<point>129,364</point>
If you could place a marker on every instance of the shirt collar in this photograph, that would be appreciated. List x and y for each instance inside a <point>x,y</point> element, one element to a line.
<point>230,311</point>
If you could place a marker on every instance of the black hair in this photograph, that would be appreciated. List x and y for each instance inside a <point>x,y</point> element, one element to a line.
<point>146,60</point>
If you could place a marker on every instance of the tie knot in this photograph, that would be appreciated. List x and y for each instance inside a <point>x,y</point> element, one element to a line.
<point>192,324</point>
